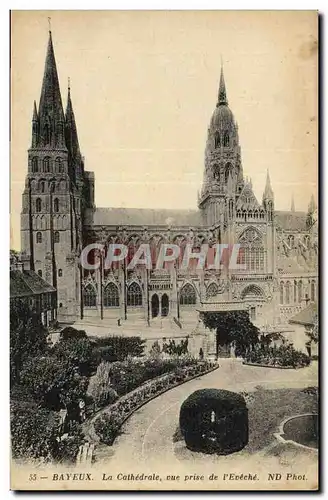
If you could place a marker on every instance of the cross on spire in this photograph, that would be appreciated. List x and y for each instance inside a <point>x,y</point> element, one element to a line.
<point>222,98</point>
<point>49,24</point>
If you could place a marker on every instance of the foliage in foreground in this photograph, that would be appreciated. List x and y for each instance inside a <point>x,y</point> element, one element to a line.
<point>108,425</point>
<point>283,355</point>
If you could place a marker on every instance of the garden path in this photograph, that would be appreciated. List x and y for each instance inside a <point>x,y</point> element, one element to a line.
<point>147,436</point>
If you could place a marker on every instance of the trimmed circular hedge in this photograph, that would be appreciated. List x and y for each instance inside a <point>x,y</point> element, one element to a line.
<point>214,421</point>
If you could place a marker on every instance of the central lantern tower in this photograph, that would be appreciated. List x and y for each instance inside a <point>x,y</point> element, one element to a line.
<point>223,175</point>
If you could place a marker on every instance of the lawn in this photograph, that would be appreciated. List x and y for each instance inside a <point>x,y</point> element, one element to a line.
<point>268,408</point>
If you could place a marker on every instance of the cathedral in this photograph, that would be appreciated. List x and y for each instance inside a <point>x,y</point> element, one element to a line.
<point>59,218</point>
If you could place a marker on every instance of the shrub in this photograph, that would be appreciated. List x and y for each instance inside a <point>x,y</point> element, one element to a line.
<point>69,333</point>
<point>117,348</point>
<point>99,387</point>
<point>107,426</point>
<point>284,355</point>
<point>214,421</point>
<point>68,446</point>
<point>33,431</point>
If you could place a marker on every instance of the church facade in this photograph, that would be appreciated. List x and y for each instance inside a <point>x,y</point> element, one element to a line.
<point>59,218</point>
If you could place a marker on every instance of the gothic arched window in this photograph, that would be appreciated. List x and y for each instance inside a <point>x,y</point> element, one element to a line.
<point>217,143</point>
<point>111,296</point>
<point>312,291</point>
<point>287,292</point>
<point>56,205</point>
<point>295,291</point>
<point>134,295</point>
<point>281,293</point>
<point>89,296</point>
<point>187,295</point>
<point>251,250</point>
<point>56,237</point>
<point>38,205</point>
<point>228,170</point>
<point>226,140</point>
<point>60,273</point>
<point>46,164</point>
<point>35,165</point>
<point>212,290</point>
<point>39,237</point>
<point>59,165</point>
<point>42,186</point>
<point>300,291</point>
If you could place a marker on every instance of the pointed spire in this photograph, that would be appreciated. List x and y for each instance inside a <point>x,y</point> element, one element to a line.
<point>222,97</point>
<point>292,207</point>
<point>268,192</point>
<point>35,113</point>
<point>51,112</point>
<point>72,140</point>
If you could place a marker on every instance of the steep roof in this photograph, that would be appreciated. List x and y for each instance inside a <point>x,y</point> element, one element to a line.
<point>306,316</point>
<point>291,221</point>
<point>143,217</point>
<point>27,283</point>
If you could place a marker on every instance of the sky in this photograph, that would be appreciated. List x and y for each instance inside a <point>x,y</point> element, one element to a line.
<point>144,86</point>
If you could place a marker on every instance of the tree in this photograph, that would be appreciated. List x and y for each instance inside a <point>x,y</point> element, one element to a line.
<point>233,327</point>
<point>76,352</point>
<point>28,337</point>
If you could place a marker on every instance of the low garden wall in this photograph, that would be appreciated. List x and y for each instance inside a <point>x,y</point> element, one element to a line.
<point>105,425</point>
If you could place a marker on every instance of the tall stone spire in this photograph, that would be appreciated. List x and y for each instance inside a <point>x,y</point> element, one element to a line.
<point>72,140</point>
<point>51,114</point>
<point>268,192</point>
<point>292,207</point>
<point>222,97</point>
<point>35,127</point>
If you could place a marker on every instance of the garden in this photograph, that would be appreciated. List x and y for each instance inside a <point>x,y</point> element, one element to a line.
<point>56,388</point>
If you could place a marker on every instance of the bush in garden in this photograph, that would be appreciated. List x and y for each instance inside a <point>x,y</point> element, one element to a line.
<point>68,446</point>
<point>118,348</point>
<point>34,431</point>
<point>99,387</point>
<point>283,355</point>
<point>69,333</point>
<point>214,421</point>
<point>107,426</point>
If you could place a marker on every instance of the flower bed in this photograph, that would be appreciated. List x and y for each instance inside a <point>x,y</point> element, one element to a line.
<point>108,423</point>
<point>284,356</point>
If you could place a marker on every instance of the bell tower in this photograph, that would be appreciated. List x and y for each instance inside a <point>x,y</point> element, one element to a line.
<point>223,174</point>
<point>54,196</point>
